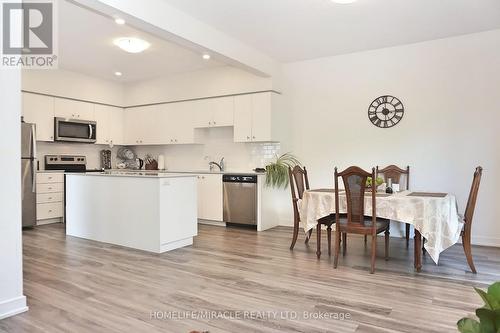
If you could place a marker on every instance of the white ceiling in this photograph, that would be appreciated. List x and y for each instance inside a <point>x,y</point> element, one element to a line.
<point>86,46</point>
<point>292,30</point>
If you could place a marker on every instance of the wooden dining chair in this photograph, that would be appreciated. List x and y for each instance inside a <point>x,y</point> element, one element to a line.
<point>402,178</point>
<point>299,182</point>
<point>354,179</point>
<point>469,213</point>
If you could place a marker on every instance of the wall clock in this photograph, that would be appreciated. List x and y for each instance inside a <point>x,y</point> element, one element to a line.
<point>386,111</point>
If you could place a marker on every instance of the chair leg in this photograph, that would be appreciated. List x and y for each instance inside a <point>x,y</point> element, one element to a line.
<point>337,248</point>
<point>295,234</point>
<point>466,242</point>
<point>424,251</point>
<point>344,243</point>
<point>329,234</point>
<point>308,236</point>
<point>318,241</point>
<point>407,235</point>
<point>366,239</point>
<point>387,235</point>
<point>374,253</point>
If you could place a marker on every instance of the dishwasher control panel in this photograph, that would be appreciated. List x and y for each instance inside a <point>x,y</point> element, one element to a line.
<point>239,179</point>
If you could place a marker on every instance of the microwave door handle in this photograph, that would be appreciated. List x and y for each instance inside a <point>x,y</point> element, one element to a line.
<point>91,131</point>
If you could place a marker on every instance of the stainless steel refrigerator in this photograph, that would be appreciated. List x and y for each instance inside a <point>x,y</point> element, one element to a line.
<point>28,173</point>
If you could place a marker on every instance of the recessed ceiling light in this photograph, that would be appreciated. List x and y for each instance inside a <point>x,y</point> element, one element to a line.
<point>119,21</point>
<point>344,1</point>
<point>131,44</point>
<point>206,56</point>
<point>118,73</point>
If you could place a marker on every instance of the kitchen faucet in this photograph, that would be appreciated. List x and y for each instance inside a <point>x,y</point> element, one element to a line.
<point>220,165</point>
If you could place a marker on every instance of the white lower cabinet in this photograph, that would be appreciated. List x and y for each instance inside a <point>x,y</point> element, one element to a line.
<point>49,197</point>
<point>210,197</point>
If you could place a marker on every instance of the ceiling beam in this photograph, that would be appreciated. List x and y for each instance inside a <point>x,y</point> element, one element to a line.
<point>161,19</point>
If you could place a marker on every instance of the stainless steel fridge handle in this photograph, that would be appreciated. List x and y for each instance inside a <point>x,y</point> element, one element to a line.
<point>91,131</point>
<point>33,160</point>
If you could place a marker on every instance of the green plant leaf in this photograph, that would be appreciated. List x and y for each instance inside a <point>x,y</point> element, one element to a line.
<point>468,325</point>
<point>277,172</point>
<point>494,295</point>
<point>487,320</point>
<point>484,296</point>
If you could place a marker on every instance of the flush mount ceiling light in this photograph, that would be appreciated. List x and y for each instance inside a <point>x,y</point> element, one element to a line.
<point>118,73</point>
<point>131,44</point>
<point>119,21</point>
<point>206,56</point>
<point>344,1</point>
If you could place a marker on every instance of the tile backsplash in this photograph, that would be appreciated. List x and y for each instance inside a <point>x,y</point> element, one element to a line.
<point>218,143</point>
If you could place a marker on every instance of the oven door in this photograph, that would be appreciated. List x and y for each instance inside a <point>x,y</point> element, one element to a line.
<point>71,130</point>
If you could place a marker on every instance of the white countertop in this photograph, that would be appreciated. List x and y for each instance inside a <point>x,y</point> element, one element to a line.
<point>157,173</point>
<point>135,174</point>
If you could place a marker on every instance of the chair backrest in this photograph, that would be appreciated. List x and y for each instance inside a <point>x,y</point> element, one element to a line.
<point>397,175</point>
<point>299,182</point>
<point>471,202</point>
<point>354,179</point>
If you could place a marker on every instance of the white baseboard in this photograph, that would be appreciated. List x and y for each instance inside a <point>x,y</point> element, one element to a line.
<point>12,307</point>
<point>485,241</point>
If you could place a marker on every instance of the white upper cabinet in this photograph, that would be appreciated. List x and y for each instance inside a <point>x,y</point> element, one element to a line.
<point>243,118</point>
<point>39,110</point>
<point>110,122</point>
<point>253,117</point>
<point>213,112</point>
<point>142,125</point>
<point>177,120</point>
<point>70,109</point>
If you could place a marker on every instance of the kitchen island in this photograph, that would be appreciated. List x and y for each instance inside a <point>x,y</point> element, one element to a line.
<point>154,212</point>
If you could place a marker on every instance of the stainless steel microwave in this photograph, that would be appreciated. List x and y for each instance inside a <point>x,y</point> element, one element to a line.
<point>75,130</point>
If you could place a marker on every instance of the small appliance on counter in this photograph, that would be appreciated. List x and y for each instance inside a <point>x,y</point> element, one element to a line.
<point>150,163</point>
<point>105,159</point>
<point>129,159</point>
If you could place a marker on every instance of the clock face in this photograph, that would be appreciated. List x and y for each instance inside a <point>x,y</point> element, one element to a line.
<point>386,111</point>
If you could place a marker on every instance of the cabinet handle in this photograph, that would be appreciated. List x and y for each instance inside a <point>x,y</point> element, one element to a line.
<point>248,138</point>
<point>202,177</point>
<point>50,210</point>
<point>215,123</point>
<point>50,177</point>
<point>175,140</point>
<point>50,198</point>
<point>253,137</point>
<point>210,123</point>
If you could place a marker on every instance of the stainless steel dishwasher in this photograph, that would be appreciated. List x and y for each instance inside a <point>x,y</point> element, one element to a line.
<point>240,200</point>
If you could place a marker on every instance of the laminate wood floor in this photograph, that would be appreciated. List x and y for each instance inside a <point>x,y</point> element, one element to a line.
<point>237,280</point>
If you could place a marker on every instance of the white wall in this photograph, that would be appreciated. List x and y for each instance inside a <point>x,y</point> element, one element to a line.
<point>217,81</point>
<point>73,85</point>
<point>450,91</point>
<point>12,300</point>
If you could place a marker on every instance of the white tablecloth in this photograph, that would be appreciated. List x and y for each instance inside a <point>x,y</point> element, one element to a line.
<point>436,218</point>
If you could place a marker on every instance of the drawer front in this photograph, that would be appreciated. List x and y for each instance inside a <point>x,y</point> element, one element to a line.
<point>49,197</point>
<point>49,210</point>
<point>50,188</point>
<point>49,178</point>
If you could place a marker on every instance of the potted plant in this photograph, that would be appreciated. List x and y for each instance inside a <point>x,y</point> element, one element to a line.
<point>489,314</point>
<point>277,172</point>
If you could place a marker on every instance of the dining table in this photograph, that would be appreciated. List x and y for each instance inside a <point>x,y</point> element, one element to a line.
<point>434,215</point>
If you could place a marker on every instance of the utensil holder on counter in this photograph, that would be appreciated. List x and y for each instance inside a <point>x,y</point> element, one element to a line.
<point>151,166</point>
